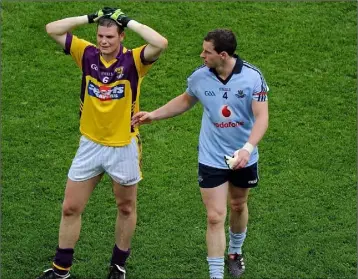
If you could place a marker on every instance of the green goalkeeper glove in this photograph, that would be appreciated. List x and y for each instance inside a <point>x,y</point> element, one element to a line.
<point>120,18</point>
<point>106,11</point>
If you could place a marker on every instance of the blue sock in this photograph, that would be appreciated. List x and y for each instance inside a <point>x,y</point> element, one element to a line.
<point>216,267</point>
<point>236,242</point>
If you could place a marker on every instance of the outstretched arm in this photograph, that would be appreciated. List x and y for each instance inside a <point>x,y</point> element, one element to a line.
<point>176,106</point>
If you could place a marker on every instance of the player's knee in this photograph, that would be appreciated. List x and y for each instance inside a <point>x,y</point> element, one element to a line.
<point>70,209</point>
<point>238,205</point>
<point>215,217</point>
<point>126,208</point>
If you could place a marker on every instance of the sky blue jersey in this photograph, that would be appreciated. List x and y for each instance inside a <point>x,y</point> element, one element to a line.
<point>227,117</point>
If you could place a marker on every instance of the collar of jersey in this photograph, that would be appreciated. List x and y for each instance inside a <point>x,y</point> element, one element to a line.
<point>110,63</point>
<point>237,69</point>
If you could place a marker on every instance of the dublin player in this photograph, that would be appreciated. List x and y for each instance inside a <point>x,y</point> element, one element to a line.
<point>233,94</point>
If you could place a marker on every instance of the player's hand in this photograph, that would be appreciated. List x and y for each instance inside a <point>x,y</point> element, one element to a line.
<point>241,156</point>
<point>142,117</point>
<point>239,160</point>
<point>106,11</point>
<point>230,161</point>
<point>120,17</point>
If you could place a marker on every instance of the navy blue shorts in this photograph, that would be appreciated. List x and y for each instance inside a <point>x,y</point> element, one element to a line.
<point>209,177</point>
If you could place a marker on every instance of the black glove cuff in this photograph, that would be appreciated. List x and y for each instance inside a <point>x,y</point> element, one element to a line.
<point>91,18</point>
<point>125,20</point>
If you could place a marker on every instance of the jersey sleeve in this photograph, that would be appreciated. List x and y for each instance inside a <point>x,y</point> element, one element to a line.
<point>76,48</point>
<point>140,63</point>
<point>190,86</point>
<point>260,89</point>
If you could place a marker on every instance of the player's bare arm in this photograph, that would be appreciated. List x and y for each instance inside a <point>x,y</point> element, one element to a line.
<point>260,111</point>
<point>156,42</point>
<point>58,29</point>
<point>175,107</point>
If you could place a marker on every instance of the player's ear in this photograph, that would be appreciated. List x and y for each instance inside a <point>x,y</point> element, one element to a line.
<point>224,55</point>
<point>122,36</point>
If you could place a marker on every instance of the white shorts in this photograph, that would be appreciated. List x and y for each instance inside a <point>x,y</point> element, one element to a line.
<point>121,163</point>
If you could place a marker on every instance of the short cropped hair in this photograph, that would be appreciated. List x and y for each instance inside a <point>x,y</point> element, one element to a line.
<point>223,40</point>
<point>108,22</point>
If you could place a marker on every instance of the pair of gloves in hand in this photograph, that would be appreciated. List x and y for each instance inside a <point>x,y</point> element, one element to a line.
<point>232,161</point>
<point>116,14</point>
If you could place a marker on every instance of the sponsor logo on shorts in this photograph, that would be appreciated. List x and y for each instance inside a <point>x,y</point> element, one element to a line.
<point>200,179</point>
<point>130,180</point>
<point>106,92</point>
<point>252,181</point>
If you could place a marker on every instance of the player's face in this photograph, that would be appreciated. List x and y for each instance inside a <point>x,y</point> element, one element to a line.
<point>108,39</point>
<point>211,58</point>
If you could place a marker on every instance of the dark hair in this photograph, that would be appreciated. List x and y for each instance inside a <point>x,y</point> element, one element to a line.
<point>223,40</point>
<point>108,22</point>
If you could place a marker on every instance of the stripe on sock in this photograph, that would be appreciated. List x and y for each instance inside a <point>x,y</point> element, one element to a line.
<point>236,242</point>
<point>60,267</point>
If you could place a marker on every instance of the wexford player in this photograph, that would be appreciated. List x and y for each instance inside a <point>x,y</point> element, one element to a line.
<point>111,79</point>
<point>235,118</point>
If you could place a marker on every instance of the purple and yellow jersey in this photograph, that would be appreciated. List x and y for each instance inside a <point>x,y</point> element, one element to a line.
<point>109,92</point>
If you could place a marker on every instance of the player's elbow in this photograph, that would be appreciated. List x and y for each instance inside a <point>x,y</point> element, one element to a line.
<point>263,120</point>
<point>49,29</point>
<point>265,123</point>
<point>163,44</point>
<point>52,29</point>
<point>262,117</point>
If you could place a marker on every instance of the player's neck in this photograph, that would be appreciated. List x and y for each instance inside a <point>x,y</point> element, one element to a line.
<point>109,57</point>
<point>226,68</point>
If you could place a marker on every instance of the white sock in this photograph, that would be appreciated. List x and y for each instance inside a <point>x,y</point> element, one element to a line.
<point>216,267</point>
<point>236,242</point>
